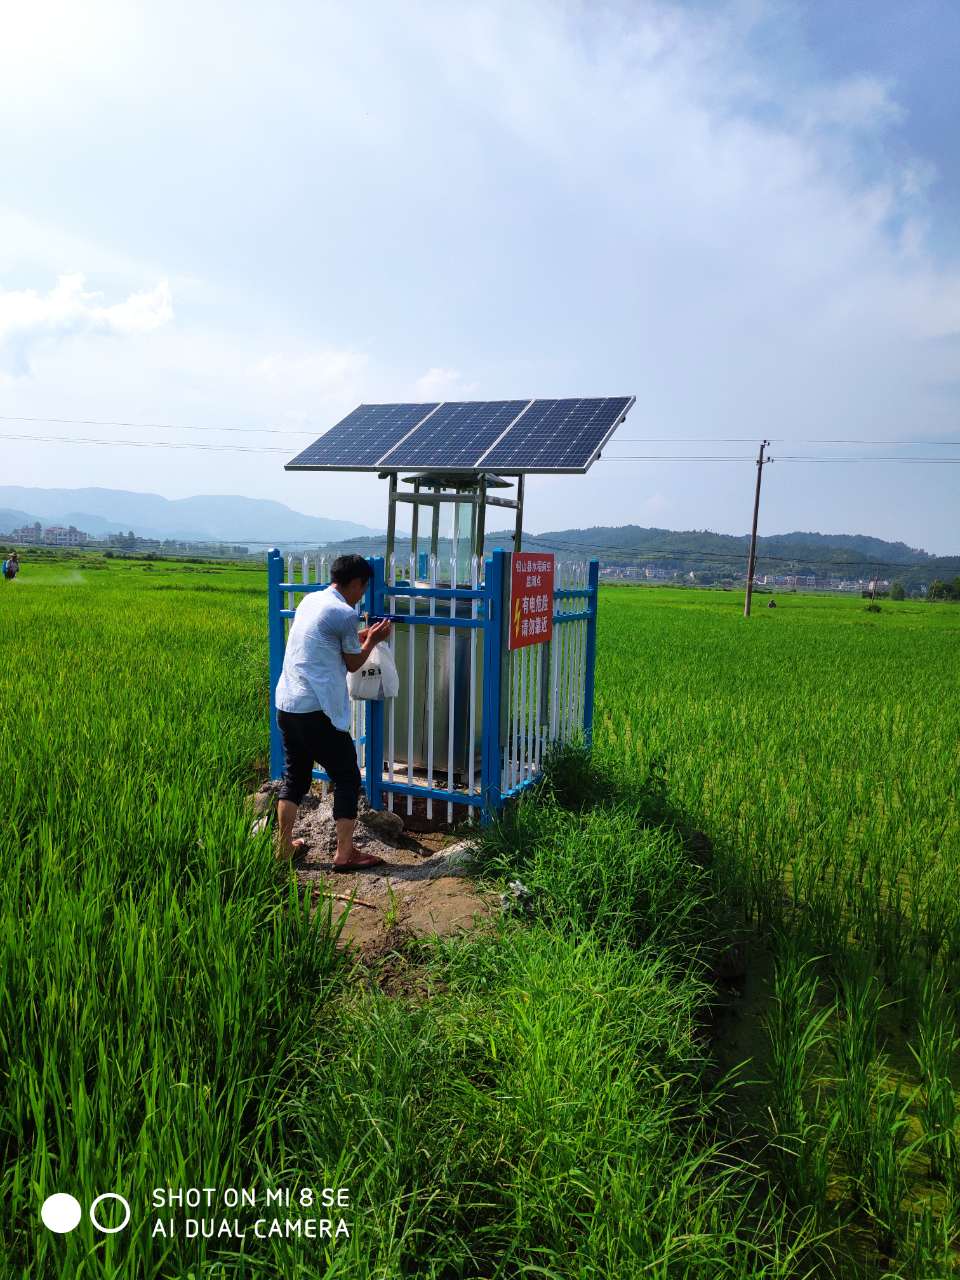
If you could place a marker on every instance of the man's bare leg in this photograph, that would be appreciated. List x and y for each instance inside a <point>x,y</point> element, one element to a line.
<point>287,847</point>
<point>347,852</point>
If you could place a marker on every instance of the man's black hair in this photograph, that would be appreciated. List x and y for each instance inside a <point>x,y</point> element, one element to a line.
<point>345,568</point>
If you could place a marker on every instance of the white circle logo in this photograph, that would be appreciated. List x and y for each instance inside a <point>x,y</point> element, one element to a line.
<point>60,1212</point>
<point>110,1195</point>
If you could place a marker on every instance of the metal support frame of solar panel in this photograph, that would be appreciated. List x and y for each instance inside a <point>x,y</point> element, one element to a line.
<point>508,436</point>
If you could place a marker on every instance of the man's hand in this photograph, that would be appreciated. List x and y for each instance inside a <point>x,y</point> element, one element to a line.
<point>370,637</point>
<point>379,631</point>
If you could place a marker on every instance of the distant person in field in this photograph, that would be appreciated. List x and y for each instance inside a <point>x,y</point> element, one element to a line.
<point>11,567</point>
<point>313,705</point>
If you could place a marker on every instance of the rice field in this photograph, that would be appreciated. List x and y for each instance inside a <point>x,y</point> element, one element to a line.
<point>818,746</point>
<point>579,1094</point>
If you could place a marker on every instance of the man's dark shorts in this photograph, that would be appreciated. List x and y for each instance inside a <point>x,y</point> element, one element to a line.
<point>310,736</point>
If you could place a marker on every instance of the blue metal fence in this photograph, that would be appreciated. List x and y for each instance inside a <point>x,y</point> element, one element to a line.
<point>528,698</point>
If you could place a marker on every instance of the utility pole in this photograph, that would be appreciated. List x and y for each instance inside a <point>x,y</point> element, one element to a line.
<point>751,564</point>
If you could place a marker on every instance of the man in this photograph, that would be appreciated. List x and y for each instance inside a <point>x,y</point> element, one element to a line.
<point>11,567</point>
<point>313,705</point>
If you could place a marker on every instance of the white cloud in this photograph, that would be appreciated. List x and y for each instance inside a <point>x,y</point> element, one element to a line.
<point>862,103</point>
<point>656,505</point>
<point>28,317</point>
<point>443,384</point>
<point>320,372</point>
<point>527,198</point>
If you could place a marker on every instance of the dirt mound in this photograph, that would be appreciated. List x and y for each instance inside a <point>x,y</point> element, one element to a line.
<point>424,888</point>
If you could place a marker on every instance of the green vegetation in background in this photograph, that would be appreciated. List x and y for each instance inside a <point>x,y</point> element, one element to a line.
<point>819,748</point>
<point>172,1015</point>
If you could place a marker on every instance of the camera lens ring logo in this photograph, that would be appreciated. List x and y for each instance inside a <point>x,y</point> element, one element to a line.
<point>60,1212</point>
<point>110,1195</point>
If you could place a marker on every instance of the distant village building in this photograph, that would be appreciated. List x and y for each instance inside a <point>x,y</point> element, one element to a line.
<point>57,536</point>
<point>132,542</point>
<point>31,534</point>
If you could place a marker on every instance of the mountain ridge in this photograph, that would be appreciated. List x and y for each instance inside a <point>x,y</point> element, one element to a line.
<point>262,522</point>
<point>210,517</point>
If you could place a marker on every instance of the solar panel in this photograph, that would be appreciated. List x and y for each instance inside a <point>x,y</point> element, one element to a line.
<point>557,435</point>
<point>468,435</point>
<point>362,437</point>
<point>456,435</point>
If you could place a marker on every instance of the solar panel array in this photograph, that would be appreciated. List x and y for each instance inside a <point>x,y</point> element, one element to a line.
<point>557,435</point>
<point>456,434</point>
<point>359,440</point>
<point>468,435</point>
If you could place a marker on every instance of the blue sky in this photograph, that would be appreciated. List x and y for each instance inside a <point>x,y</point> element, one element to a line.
<point>743,213</point>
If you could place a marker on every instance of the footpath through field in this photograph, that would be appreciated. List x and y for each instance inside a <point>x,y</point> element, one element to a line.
<point>424,888</point>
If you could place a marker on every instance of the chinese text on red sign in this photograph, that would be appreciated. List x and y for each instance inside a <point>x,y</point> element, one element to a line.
<point>531,598</point>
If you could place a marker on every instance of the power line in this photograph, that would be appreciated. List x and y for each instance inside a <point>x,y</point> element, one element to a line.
<point>160,426</point>
<point>146,444</point>
<point>308,431</point>
<point>781,457</point>
<point>239,448</point>
<point>952,444</point>
<point>680,457</point>
<point>905,462</point>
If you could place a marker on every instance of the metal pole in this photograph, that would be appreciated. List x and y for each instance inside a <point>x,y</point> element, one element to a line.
<point>751,564</point>
<point>480,530</point>
<point>493,589</point>
<point>593,582</point>
<point>518,531</point>
<point>414,530</point>
<point>435,534</point>
<point>277,644</point>
<point>374,725</point>
<point>391,515</point>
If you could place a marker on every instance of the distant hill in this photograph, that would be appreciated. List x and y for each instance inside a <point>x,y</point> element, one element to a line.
<point>631,542</point>
<point>716,556</point>
<point>635,541</point>
<point>11,519</point>
<point>710,556</point>
<point>207,518</point>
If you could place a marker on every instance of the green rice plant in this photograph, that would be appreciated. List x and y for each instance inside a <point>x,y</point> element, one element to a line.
<point>173,1009</point>
<point>825,922</point>
<point>572,777</point>
<point>936,1056</point>
<point>854,1045</point>
<point>569,1072</point>
<point>928,1249</point>
<point>796,1029</point>
<point>602,869</point>
<point>883,1175</point>
<point>156,974</point>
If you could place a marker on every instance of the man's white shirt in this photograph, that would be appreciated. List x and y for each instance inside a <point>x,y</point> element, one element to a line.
<point>314,676</point>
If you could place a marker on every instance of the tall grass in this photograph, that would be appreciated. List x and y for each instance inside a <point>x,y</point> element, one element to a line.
<point>819,749</point>
<point>155,975</point>
<point>796,1030</point>
<point>174,1014</point>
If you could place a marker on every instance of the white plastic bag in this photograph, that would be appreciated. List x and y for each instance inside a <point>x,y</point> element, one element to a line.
<point>377,678</point>
<point>389,675</point>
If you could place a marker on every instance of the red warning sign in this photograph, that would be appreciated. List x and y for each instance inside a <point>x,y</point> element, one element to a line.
<point>531,598</point>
